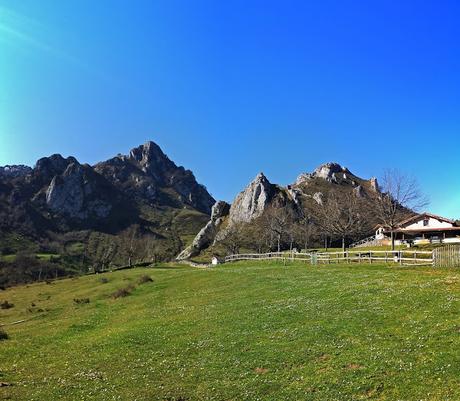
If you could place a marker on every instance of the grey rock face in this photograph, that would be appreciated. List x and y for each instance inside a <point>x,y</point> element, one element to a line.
<point>295,194</point>
<point>374,184</point>
<point>318,197</point>
<point>328,171</point>
<point>303,178</point>
<point>219,210</point>
<point>208,233</point>
<point>74,195</point>
<point>358,191</point>
<point>152,160</point>
<point>251,203</point>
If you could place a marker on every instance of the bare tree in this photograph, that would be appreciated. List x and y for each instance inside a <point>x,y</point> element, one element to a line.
<point>278,221</point>
<point>130,243</point>
<point>400,197</point>
<point>304,230</point>
<point>102,249</point>
<point>343,216</point>
<point>257,237</point>
<point>234,238</point>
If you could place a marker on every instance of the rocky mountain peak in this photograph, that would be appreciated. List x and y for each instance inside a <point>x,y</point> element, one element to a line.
<point>53,165</point>
<point>147,174</point>
<point>331,172</point>
<point>151,158</point>
<point>251,203</point>
<point>327,170</point>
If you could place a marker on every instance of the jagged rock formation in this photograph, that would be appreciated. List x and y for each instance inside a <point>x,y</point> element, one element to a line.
<point>251,203</point>
<point>208,233</point>
<point>79,193</point>
<point>358,191</point>
<point>318,197</point>
<point>374,184</point>
<point>330,171</point>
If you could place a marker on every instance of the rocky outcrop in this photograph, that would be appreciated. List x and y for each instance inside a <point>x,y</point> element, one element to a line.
<point>374,184</point>
<point>251,203</point>
<point>208,233</point>
<point>359,191</point>
<point>318,197</point>
<point>77,194</point>
<point>303,178</point>
<point>330,172</point>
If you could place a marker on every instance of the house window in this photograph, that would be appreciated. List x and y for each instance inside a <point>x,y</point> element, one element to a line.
<point>425,222</point>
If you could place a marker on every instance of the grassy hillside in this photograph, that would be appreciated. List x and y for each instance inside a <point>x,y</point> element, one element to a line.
<point>237,332</point>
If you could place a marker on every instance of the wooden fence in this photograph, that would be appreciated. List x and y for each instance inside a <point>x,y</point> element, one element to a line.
<point>402,257</point>
<point>447,256</point>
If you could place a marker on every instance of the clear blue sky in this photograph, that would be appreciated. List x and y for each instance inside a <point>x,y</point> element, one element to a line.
<point>231,88</point>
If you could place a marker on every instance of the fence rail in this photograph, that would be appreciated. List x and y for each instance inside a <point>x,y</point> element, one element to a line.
<point>402,257</point>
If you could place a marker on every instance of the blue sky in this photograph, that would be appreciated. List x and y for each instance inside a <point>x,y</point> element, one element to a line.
<point>229,89</point>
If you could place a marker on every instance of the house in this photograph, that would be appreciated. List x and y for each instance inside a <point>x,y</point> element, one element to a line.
<point>215,261</point>
<point>424,228</point>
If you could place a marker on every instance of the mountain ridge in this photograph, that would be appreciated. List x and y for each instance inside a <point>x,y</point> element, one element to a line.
<point>60,195</point>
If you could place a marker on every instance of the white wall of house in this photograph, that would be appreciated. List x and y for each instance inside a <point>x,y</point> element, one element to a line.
<point>451,241</point>
<point>379,233</point>
<point>432,223</point>
<point>422,225</point>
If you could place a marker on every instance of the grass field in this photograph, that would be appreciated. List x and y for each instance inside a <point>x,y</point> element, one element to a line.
<point>237,332</point>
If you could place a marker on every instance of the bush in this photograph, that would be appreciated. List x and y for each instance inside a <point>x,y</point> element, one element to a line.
<point>123,292</point>
<point>3,335</point>
<point>6,305</point>
<point>81,300</point>
<point>145,279</point>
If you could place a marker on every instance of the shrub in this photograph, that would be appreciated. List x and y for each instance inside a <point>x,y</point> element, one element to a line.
<point>3,335</point>
<point>123,292</point>
<point>6,305</point>
<point>81,300</point>
<point>145,279</point>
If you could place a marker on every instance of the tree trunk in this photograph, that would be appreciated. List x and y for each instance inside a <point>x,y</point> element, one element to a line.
<point>129,261</point>
<point>392,240</point>
<point>343,244</point>
<point>279,243</point>
<point>325,243</point>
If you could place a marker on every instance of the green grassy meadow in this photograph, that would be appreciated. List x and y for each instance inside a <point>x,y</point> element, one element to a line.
<point>241,331</point>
